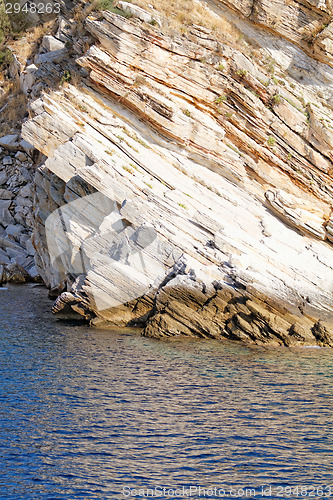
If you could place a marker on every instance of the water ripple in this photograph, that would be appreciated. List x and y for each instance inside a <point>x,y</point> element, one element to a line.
<point>85,413</point>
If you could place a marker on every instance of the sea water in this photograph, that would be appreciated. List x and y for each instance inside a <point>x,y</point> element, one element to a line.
<point>99,414</point>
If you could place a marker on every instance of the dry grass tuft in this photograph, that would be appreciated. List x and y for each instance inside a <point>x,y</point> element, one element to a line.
<point>180,14</point>
<point>14,108</point>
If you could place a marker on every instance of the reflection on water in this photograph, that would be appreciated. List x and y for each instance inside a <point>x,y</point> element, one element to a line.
<point>86,413</point>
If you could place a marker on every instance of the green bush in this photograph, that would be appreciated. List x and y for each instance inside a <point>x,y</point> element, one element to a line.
<point>110,6</point>
<point>6,58</point>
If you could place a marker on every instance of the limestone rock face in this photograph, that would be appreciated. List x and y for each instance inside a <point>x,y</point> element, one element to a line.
<point>307,24</point>
<point>185,189</point>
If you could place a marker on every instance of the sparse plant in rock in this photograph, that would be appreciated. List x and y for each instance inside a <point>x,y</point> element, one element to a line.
<point>187,113</point>
<point>270,65</point>
<point>241,73</point>
<point>255,93</point>
<point>276,99</point>
<point>129,170</point>
<point>220,67</point>
<point>265,83</point>
<point>221,99</point>
<point>271,140</point>
<point>66,77</point>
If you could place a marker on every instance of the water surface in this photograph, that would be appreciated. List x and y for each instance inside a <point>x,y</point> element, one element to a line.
<point>100,414</point>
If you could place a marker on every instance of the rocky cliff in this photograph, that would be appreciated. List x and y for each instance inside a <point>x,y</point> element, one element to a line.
<point>186,184</point>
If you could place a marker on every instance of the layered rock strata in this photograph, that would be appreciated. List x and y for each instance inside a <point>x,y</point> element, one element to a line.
<point>229,165</point>
<point>307,24</point>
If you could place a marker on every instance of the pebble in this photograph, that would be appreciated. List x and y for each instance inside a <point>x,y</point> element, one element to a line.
<point>25,173</point>
<point>30,248</point>
<point>23,202</point>
<point>23,239</point>
<point>5,194</point>
<point>28,148</point>
<point>9,141</point>
<point>7,160</point>
<point>14,230</point>
<point>3,178</point>
<point>25,192</point>
<point>4,204</point>
<point>5,216</point>
<point>21,156</point>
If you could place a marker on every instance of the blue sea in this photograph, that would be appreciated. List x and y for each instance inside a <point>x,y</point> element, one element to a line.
<point>109,414</point>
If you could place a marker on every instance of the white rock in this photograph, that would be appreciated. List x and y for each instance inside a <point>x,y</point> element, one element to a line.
<point>9,141</point>
<point>50,43</point>
<point>296,212</point>
<point>140,13</point>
